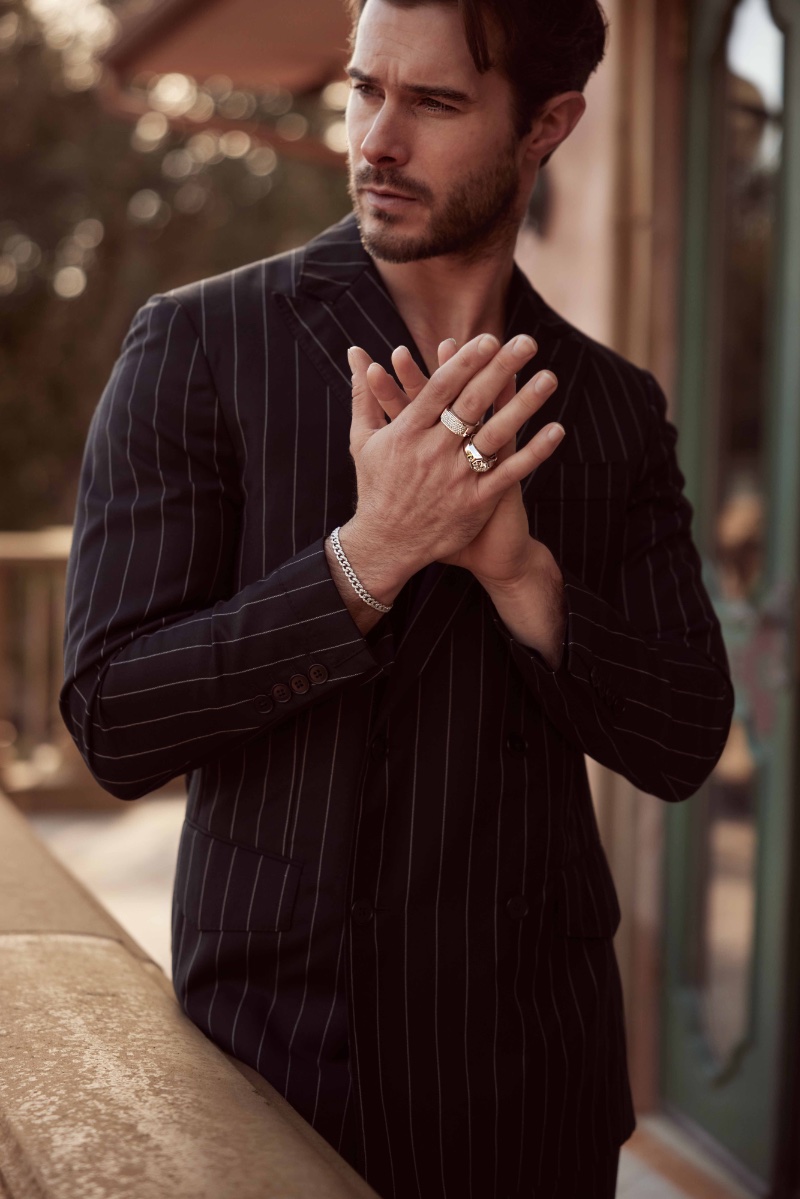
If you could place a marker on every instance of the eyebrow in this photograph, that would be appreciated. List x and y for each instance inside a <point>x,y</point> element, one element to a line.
<point>417,89</point>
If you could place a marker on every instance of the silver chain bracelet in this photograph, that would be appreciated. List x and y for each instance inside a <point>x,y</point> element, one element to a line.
<point>352,577</point>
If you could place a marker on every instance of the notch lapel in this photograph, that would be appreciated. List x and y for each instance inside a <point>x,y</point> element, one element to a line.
<point>340,300</point>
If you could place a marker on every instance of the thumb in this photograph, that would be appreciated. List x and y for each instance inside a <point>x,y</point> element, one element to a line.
<point>368,416</point>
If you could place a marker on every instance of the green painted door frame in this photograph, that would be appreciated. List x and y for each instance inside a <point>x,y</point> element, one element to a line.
<point>736,1103</point>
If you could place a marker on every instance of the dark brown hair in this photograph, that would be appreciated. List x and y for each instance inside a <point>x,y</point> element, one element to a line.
<point>548,46</point>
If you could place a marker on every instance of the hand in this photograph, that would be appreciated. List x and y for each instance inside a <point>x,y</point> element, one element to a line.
<point>502,551</point>
<point>418,500</point>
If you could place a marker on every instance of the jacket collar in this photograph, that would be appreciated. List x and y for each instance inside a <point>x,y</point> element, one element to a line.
<point>339,299</point>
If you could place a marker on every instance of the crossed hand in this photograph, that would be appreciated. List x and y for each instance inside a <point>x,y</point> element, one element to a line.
<point>419,501</point>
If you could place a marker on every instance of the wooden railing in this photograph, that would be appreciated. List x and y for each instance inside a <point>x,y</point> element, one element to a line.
<point>39,764</point>
<point>106,1088</point>
<point>32,571</point>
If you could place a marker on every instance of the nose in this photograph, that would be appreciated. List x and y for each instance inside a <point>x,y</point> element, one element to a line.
<point>383,143</point>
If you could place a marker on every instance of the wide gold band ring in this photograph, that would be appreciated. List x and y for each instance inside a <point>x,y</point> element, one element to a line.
<point>456,425</point>
<point>478,461</point>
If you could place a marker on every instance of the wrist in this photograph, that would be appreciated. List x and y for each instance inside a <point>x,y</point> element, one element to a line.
<point>376,569</point>
<point>537,564</point>
<point>532,605</point>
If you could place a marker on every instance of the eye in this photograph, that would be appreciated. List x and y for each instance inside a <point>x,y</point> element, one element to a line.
<point>436,105</point>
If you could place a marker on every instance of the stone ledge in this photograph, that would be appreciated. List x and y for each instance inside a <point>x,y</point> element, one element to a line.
<point>107,1091</point>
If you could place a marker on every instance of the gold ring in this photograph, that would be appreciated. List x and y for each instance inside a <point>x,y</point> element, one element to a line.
<point>478,461</point>
<point>456,425</point>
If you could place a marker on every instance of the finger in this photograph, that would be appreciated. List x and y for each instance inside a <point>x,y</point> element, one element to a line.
<point>445,352</point>
<point>519,465</point>
<point>367,417</point>
<point>449,381</point>
<point>412,379</point>
<point>509,418</point>
<point>487,384</point>
<point>390,397</point>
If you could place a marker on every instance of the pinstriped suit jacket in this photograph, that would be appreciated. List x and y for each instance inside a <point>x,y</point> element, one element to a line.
<point>391,897</point>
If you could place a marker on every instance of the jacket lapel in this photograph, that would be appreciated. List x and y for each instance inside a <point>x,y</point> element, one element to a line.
<point>340,300</point>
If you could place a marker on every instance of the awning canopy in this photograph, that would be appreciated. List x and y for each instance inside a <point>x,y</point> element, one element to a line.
<point>299,45</point>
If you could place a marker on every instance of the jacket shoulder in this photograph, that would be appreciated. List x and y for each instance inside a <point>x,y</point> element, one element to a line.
<point>277,273</point>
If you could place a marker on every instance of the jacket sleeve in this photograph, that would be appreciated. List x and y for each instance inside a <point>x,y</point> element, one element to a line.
<point>643,685</point>
<point>167,663</point>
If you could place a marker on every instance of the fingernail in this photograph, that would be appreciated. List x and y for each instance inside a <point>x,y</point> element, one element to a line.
<point>546,382</point>
<point>487,342</point>
<point>350,353</point>
<point>555,432</point>
<point>455,343</point>
<point>523,344</point>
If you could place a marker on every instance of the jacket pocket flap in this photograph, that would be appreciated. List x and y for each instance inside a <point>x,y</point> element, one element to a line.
<point>224,886</point>
<point>586,903</point>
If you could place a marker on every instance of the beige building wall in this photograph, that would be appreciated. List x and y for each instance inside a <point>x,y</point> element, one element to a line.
<point>609,262</point>
<point>572,267</point>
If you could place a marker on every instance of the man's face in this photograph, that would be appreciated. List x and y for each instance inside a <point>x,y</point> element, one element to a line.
<point>432,135</point>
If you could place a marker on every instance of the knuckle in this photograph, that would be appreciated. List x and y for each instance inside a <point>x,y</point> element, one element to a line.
<point>437,388</point>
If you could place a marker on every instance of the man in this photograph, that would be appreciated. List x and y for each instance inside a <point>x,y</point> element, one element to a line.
<point>391,897</point>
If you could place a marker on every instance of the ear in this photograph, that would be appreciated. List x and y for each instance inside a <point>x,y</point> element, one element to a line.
<point>554,123</point>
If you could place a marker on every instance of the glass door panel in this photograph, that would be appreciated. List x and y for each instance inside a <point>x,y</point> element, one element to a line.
<point>750,128</point>
<point>729,848</point>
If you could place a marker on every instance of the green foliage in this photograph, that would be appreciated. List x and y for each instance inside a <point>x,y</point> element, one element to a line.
<point>65,161</point>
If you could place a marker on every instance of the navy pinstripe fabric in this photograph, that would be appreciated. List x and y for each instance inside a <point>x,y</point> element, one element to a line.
<point>391,897</point>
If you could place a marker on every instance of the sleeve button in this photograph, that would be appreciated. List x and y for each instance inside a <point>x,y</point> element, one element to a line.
<point>281,693</point>
<point>516,743</point>
<point>362,911</point>
<point>263,703</point>
<point>517,907</point>
<point>299,684</point>
<point>318,673</point>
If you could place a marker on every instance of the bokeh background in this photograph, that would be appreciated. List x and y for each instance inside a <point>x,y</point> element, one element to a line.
<point>150,143</point>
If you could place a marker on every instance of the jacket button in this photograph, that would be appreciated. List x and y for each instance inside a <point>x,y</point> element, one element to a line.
<point>263,703</point>
<point>516,743</point>
<point>299,684</point>
<point>379,747</point>
<point>318,673</point>
<point>517,907</point>
<point>281,693</point>
<point>362,911</point>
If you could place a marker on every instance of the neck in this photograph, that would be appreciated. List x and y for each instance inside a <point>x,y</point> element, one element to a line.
<point>448,297</point>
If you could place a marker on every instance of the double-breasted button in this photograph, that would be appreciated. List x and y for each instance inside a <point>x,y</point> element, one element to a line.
<point>299,684</point>
<point>517,907</point>
<point>263,703</point>
<point>281,693</point>
<point>362,911</point>
<point>516,743</point>
<point>318,673</point>
<point>379,747</point>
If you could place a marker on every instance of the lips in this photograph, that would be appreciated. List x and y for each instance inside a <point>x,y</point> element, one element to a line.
<point>388,195</point>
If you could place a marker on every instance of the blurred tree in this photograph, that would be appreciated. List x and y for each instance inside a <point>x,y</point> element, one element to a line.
<point>96,216</point>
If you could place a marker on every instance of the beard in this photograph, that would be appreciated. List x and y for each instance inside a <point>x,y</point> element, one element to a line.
<point>478,214</point>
